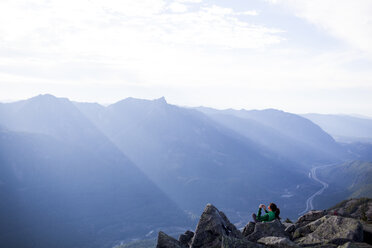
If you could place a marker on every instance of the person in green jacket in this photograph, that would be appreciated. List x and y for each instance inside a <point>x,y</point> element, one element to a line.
<point>270,215</point>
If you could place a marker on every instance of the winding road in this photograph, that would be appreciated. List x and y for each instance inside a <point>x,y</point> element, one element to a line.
<point>312,175</point>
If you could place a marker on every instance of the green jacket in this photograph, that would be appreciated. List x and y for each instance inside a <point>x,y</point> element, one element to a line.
<point>269,216</point>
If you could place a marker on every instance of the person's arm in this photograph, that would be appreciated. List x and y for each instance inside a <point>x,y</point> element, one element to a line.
<point>264,217</point>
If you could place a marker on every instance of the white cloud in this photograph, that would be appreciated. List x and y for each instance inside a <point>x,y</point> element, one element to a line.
<point>178,7</point>
<point>132,8</point>
<point>249,13</point>
<point>118,48</point>
<point>348,20</point>
<point>98,26</point>
<point>189,1</point>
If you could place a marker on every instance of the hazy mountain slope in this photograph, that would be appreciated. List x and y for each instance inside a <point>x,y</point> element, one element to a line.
<point>359,150</point>
<point>57,117</point>
<point>196,160</point>
<point>71,187</point>
<point>344,128</point>
<point>292,125</point>
<point>287,134</point>
<point>346,180</point>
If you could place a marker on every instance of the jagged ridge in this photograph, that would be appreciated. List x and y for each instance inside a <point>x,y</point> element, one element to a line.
<point>331,228</point>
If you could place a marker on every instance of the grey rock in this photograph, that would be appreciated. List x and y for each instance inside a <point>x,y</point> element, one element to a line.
<point>355,245</point>
<point>325,245</point>
<point>185,239</point>
<point>165,241</point>
<point>355,208</point>
<point>286,224</point>
<point>212,226</point>
<point>309,217</point>
<point>309,228</point>
<point>265,229</point>
<point>290,228</point>
<point>330,229</point>
<point>231,242</point>
<point>278,242</point>
<point>249,228</point>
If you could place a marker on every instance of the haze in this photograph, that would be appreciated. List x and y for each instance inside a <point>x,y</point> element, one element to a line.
<point>299,56</point>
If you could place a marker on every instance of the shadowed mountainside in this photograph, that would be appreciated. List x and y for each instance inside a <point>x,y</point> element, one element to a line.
<point>104,174</point>
<point>60,177</point>
<point>196,160</point>
<point>286,134</point>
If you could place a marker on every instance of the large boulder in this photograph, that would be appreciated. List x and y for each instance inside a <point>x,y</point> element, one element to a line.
<point>309,228</point>
<point>231,242</point>
<point>290,228</point>
<point>212,226</point>
<point>310,217</point>
<point>249,228</point>
<point>329,229</point>
<point>165,241</point>
<point>186,238</point>
<point>265,229</point>
<point>278,242</point>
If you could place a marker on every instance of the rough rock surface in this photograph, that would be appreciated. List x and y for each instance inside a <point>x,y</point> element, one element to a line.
<point>355,245</point>
<point>185,239</point>
<point>265,229</point>
<point>290,228</point>
<point>277,242</point>
<point>165,241</point>
<point>213,224</point>
<point>309,217</point>
<point>355,208</point>
<point>248,229</point>
<point>230,242</point>
<point>315,229</point>
<point>330,229</point>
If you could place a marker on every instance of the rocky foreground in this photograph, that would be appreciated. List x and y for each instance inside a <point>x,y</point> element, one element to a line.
<point>344,226</point>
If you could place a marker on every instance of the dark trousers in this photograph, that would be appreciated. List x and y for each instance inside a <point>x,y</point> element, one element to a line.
<point>254,217</point>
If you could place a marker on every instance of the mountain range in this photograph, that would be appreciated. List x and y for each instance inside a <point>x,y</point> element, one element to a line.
<point>344,128</point>
<point>100,175</point>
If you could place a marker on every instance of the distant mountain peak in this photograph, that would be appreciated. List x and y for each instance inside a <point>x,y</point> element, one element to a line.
<point>45,98</point>
<point>161,100</point>
<point>132,100</point>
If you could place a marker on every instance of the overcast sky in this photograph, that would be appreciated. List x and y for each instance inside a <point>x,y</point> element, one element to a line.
<point>296,55</point>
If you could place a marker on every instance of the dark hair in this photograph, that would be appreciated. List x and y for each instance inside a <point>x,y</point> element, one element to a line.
<point>275,209</point>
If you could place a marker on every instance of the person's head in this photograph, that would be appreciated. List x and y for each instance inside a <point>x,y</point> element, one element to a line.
<point>275,209</point>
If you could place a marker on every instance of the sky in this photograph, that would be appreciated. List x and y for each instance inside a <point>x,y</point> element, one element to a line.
<point>295,55</point>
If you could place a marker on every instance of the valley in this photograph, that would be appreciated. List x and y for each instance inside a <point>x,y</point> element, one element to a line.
<point>122,172</point>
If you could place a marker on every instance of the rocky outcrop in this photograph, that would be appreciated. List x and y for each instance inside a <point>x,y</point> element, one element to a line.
<point>290,228</point>
<point>310,217</point>
<point>186,238</point>
<point>316,229</point>
<point>355,245</point>
<point>265,229</point>
<point>330,229</point>
<point>230,242</point>
<point>249,228</point>
<point>277,242</point>
<point>212,226</point>
<point>165,241</point>
<point>360,209</point>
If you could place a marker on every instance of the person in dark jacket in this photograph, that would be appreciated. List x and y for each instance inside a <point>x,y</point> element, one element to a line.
<point>271,214</point>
